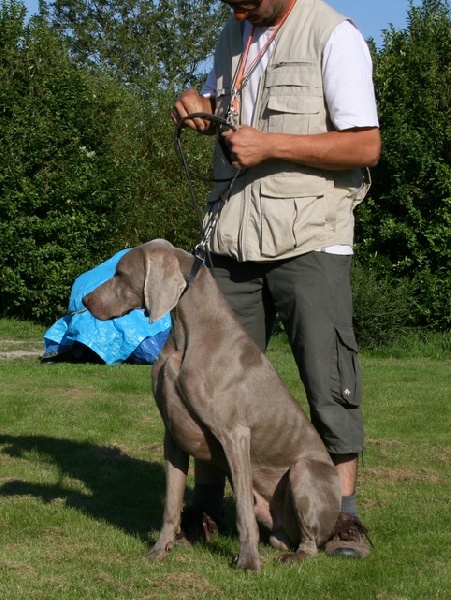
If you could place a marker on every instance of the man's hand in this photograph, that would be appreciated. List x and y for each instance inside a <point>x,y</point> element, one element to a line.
<point>189,102</point>
<point>248,146</point>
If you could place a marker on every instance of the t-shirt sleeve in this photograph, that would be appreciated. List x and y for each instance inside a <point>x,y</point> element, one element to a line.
<point>347,71</point>
<point>209,88</point>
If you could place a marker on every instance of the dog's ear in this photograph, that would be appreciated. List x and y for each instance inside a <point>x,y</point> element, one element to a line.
<point>163,284</point>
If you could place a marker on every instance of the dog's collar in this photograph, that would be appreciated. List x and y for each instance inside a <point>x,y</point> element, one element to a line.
<point>199,260</point>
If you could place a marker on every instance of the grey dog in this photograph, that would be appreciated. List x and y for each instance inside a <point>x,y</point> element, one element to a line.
<point>222,402</point>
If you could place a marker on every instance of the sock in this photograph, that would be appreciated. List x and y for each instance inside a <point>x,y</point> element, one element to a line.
<point>349,505</point>
<point>210,498</point>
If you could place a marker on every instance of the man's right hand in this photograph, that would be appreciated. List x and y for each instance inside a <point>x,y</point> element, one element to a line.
<point>189,102</point>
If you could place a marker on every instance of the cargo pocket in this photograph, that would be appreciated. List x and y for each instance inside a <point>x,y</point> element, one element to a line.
<point>292,97</point>
<point>293,114</point>
<point>345,377</point>
<point>292,212</point>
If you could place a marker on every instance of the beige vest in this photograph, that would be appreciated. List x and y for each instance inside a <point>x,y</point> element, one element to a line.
<point>280,209</point>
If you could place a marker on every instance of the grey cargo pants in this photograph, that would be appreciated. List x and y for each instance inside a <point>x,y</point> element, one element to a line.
<point>311,293</point>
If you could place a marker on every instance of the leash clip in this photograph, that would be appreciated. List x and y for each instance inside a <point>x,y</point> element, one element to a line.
<point>200,252</point>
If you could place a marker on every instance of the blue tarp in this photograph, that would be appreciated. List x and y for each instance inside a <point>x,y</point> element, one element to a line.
<point>130,338</point>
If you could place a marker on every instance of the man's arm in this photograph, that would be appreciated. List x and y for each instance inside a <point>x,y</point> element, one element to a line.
<point>189,102</point>
<point>333,150</point>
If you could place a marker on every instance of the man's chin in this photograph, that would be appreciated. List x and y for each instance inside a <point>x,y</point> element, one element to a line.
<point>258,21</point>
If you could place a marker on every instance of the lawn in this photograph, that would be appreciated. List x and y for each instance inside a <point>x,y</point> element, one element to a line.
<point>82,485</point>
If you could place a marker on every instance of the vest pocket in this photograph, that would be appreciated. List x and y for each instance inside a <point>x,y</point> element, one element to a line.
<point>277,218</point>
<point>292,212</point>
<point>292,98</point>
<point>346,380</point>
<point>301,182</point>
<point>294,104</point>
<point>288,112</point>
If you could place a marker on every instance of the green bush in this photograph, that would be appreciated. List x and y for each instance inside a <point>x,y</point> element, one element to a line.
<point>161,204</point>
<point>87,162</point>
<point>404,228</point>
<point>62,184</point>
<point>87,166</point>
<point>381,308</point>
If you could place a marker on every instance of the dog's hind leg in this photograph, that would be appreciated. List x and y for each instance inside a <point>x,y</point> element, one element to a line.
<point>315,498</point>
<point>176,466</point>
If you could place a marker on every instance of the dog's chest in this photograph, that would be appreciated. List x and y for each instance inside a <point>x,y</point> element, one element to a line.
<point>189,434</point>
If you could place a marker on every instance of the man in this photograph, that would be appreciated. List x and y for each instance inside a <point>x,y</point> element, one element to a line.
<point>294,78</point>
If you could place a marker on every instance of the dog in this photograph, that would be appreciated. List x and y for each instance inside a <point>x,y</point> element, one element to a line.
<point>222,402</point>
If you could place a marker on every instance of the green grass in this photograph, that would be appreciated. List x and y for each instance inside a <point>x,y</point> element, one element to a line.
<point>82,484</point>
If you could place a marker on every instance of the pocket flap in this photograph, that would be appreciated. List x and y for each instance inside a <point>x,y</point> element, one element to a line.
<point>348,369</point>
<point>347,337</point>
<point>293,186</point>
<point>298,74</point>
<point>294,104</point>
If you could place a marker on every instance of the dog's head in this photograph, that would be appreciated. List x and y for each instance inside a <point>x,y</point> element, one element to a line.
<point>148,276</point>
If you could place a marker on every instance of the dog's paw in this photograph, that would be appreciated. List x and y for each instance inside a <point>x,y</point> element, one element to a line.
<point>159,551</point>
<point>248,563</point>
<point>293,557</point>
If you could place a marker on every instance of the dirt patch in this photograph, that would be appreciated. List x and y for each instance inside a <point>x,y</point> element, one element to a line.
<point>19,354</point>
<point>10,349</point>
<point>183,585</point>
<point>384,443</point>
<point>399,474</point>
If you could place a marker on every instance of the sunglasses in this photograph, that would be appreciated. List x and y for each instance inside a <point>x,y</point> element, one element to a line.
<point>243,7</point>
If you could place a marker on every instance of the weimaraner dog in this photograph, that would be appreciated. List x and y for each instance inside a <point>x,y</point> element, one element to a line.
<point>222,402</point>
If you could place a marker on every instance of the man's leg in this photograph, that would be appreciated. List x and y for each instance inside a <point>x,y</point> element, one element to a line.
<point>346,465</point>
<point>244,287</point>
<point>312,295</point>
<point>350,537</point>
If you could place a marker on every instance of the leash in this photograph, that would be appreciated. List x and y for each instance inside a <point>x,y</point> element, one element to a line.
<point>201,251</point>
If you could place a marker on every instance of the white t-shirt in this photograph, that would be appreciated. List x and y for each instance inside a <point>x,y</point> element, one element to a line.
<point>347,73</point>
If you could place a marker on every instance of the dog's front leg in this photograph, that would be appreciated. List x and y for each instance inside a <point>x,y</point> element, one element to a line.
<point>237,450</point>
<point>176,467</point>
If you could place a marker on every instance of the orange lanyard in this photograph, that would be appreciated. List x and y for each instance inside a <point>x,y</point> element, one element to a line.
<point>243,74</point>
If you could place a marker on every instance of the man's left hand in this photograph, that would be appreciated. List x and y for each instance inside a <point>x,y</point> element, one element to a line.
<point>248,146</point>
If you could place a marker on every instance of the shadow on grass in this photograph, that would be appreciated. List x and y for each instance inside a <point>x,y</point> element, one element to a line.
<point>121,490</point>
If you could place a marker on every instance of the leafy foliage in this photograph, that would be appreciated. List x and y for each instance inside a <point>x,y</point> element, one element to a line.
<point>60,190</point>
<point>153,44</point>
<point>381,308</point>
<point>88,164</point>
<point>404,229</point>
